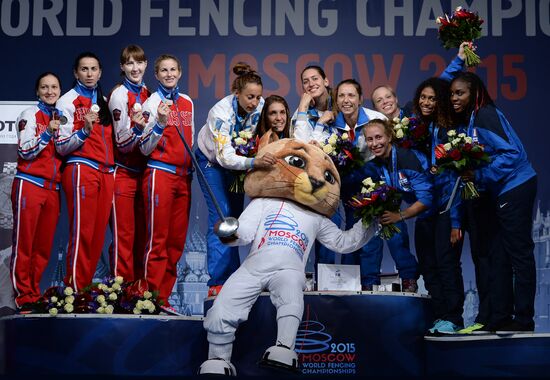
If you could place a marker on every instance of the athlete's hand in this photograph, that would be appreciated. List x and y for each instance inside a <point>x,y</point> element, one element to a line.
<point>456,235</point>
<point>139,120</point>
<point>89,120</point>
<point>162,115</point>
<point>467,175</point>
<point>305,101</point>
<point>389,217</point>
<point>265,161</point>
<point>326,118</point>
<point>461,54</point>
<point>53,126</point>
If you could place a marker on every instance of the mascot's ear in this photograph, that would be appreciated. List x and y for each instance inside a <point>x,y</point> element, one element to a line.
<point>267,138</point>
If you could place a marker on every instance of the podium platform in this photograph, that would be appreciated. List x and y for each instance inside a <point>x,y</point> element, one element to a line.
<point>370,334</point>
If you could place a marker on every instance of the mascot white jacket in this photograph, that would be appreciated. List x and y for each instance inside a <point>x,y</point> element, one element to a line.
<point>290,208</point>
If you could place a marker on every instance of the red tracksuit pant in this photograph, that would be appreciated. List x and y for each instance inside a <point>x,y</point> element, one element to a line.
<point>167,204</point>
<point>127,226</point>
<point>89,195</point>
<point>35,214</point>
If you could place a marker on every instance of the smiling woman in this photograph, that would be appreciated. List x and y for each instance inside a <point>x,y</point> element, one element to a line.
<point>169,118</point>
<point>128,218</point>
<point>234,116</point>
<point>35,192</point>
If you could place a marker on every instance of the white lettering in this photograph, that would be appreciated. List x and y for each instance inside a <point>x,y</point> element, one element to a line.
<point>500,14</point>
<point>295,16</point>
<point>219,16</point>
<point>330,15</point>
<point>72,28</point>
<point>238,20</point>
<point>544,11</point>
<point>426,22</point>
<point>530,18</point>
<point>99,18</point>
<point>361,20</point>
<point>392,11</point>
<point>42,14</point>
<point>147,12</point>
<point>266,18</point>
<point>23,22</point>
<point>174,20</point>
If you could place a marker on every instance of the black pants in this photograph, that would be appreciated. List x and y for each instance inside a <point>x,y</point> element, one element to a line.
<point>478,221</point>
<point>512,262</point>
<point>439,264</point>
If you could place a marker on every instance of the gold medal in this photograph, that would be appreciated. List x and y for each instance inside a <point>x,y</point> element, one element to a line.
<point>433,169</point>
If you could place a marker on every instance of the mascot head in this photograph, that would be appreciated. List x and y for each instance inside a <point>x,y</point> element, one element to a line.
<point>303,174</point>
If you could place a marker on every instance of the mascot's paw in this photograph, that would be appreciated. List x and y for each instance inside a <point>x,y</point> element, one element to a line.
<point>280,357</point>
<point>217,366</point>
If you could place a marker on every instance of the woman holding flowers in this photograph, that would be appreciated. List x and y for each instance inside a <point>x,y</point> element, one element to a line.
<point>233,117</point>
<point>410,132</point>
<point>512,183</point>
<point>400,168</point>
<point>128,216</point>
<point>438,237</point>
<point>169,120</point>
<point>338,131</point>
<point>35,192</point>
<point>86,141</point>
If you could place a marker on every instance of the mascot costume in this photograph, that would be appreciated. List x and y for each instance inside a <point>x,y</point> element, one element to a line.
<point>290,208</point>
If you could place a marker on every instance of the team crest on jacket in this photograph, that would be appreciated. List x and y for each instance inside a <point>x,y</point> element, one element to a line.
<point>116,114</point>
<point>21,124</point>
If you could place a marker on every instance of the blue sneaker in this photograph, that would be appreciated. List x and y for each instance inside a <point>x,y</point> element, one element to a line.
<point>444,327</point>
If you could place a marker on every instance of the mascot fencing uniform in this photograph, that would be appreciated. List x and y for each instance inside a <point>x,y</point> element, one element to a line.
<point>282,222</point>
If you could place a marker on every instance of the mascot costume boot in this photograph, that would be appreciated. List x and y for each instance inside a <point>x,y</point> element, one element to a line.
<point>292,202</point>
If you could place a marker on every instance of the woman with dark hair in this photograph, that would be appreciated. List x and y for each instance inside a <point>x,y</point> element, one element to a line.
<point>315,101</point>
<point>237,112</point>
<point>35,192</point>
<point>512,184</point>
<point>169,115</point>
<point>438,238</point>
<point>128,216</point>
<point>86,141</point>
<point>275,116</point>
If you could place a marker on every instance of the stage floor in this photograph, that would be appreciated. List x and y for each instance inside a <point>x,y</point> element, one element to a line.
<point>368,334</point>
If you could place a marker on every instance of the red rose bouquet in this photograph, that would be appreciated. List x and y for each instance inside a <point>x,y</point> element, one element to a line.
<point>463,25</point>
<point>461,153</point>
<point>374,199</point>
